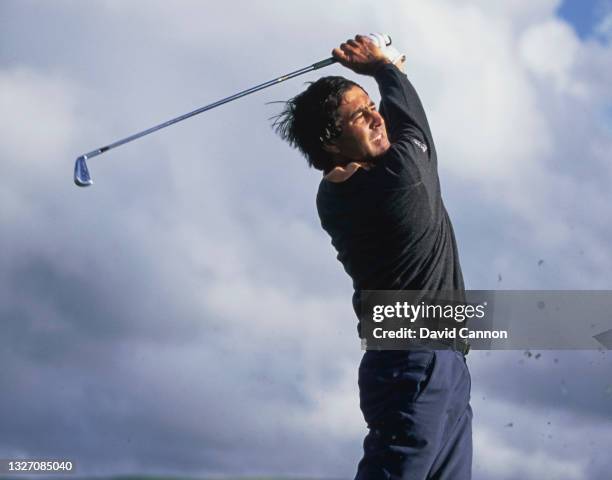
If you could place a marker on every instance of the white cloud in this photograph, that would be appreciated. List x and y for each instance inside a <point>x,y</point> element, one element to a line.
<point>604,27</point>
<point>38,121</point>
<point>549,50</point>
<point>526,441</point>
<point>500,459</point>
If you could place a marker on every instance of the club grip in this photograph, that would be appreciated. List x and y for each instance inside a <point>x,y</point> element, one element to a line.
<point>324,63</point>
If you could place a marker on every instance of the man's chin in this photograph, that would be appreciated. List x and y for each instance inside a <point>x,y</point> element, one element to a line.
<point>380,151</point>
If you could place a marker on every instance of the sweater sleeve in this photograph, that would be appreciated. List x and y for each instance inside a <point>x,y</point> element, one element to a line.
<point>407,125</point>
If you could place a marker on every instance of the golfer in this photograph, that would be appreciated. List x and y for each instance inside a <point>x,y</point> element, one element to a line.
<point>380,202</point>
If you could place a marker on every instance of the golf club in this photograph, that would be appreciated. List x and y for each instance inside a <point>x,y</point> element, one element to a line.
<point>82,178</point>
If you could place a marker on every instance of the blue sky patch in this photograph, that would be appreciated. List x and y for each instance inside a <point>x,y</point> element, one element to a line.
<point>583,15</point>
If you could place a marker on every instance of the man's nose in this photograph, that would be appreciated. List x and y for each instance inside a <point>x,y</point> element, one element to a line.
<point>376,119</point>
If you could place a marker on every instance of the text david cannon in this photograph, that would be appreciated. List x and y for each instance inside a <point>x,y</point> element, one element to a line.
<point>448,333</point>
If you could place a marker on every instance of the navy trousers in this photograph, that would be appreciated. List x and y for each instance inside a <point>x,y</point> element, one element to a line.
<point>416,406</point>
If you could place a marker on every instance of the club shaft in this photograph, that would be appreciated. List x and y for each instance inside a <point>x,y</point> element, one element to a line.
<point>185,116</point>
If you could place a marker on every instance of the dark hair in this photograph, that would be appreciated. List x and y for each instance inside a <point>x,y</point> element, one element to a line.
<point>310,119</point>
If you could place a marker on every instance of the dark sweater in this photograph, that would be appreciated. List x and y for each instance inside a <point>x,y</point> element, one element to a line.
<point>388,224</point>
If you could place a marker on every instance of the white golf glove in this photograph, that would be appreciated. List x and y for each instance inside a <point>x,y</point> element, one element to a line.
<point>383,41</point>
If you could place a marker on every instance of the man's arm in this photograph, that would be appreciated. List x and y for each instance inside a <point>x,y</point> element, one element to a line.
<point>401,106</point>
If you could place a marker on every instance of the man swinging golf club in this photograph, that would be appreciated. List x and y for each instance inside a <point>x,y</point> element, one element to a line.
<point>380,202</point>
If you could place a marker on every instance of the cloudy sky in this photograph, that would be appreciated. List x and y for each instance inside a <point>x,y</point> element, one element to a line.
<point>169,319</point>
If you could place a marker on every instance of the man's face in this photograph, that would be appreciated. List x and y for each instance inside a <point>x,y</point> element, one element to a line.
<point>364,135</point>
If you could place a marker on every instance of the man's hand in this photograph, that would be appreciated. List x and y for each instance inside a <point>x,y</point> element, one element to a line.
<point>361,55</point>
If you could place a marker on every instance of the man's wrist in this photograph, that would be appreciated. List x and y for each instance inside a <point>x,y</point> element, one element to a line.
<point>384,66</point>
<point>378,66</point>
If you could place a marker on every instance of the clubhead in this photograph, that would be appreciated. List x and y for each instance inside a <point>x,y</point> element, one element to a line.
<point>81,172</point>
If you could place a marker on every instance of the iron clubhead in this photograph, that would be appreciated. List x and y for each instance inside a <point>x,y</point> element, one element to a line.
<point>81,172</point>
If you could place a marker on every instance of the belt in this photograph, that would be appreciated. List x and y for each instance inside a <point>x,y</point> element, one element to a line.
<point>456,345</point>
<point>463,347</point>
